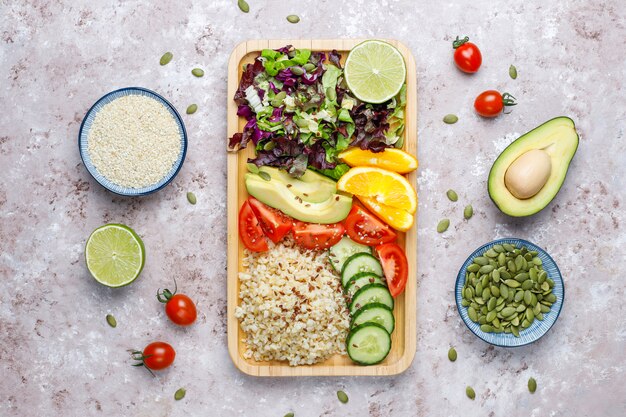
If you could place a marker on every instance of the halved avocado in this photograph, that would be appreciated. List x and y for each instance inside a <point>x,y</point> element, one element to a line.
<point>558,138</point>
<point>276,194</point>
<point>311,186</point>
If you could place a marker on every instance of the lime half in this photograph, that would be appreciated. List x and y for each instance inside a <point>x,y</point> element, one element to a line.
<point>375,71</point>
<point>115,255</point>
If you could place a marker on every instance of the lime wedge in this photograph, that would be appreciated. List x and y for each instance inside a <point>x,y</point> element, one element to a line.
<point>375,71</point>
<point>115,255</point>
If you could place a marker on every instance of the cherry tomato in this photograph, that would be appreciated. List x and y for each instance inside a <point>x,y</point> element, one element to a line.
<point>250,230</point>
<point>155,356</point>
<point>178,307</point>
<point>395,267</point>
<point>317,236</point>
<point>274,223</point>
<point>467,56</point>
<point>490,103</point>
<point>364,228</point>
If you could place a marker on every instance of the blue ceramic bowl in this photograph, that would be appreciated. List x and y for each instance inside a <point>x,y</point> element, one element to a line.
<point>538,328</point>
<point>84,134</point>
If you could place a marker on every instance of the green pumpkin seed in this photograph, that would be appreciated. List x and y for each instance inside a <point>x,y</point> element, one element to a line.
<point>544,308</point>
<point>515,331</point>
<point>495,291</point>
<point>486,269</point>
<point>532,385</point>
<point>491,304</point>
<point>512,71</point>
<point>308,67</point>
<point>166,58</point>
<point>468,212</point>
<point>511,266</point>
<point>472,267</point>
<point>450,119</point>
<point>192,109</point>
<point>491,253</point>
<point>292,18</point>
<point>469,391</point>
<point>111,320</point>
<point>297,70</point>
<point>289,415</point>
<point>519,296</point>
<point>527,285</point>
<point>551,298</point>
<point>479,288</point>
<point>490,316</point>
<point>442,226</point>
<point>452,195</point>
<point>452,354</point>
<point>265,176</point>
<point>342,396</point>
<point>331,93</point>
<point>537,261</point>
<point>243,6</point>
<point>498,248</point>
<point>511,283</point>
<point>191,197</point>
<point>180,394</point>
<point>539,316</point>
<point>504,291</point>
<point>471,312</point>
<point>508,247</point>
<point>197,72</point>
<point>530,315</point>
<point>521,277</point>
<point>487,328</point>
<point>481,260</point>
<point>465,303</point>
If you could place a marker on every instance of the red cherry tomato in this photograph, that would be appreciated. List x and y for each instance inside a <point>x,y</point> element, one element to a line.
<point>490,103</point>
<point>155,356</point>
<point>274,223</point>
<point>467,56</point>
<point>395,267</point>
<point>317,236</point>
<point>250,230</point>
<point>178,307</point>
<point>366,229</point>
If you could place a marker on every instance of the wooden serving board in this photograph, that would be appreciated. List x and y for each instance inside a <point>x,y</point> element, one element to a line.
<point>404,335</point>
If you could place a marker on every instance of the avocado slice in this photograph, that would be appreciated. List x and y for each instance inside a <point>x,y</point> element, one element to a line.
<point>311,186</point>
<point>276,194</point>
<point>558,139</point>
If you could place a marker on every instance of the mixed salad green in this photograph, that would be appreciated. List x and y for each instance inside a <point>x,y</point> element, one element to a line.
<point>300,113</point>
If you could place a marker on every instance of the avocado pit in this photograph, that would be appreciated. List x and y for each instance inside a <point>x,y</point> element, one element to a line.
<point>527,175</point>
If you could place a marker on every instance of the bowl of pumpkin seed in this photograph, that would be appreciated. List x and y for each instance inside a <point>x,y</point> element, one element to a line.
<point>509,292</point>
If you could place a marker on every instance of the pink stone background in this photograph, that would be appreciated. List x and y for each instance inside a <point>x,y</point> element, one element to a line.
<point>59,357</point>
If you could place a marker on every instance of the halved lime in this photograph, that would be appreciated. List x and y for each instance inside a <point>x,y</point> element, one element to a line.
<point>375,71</point>
<point>115,255</point>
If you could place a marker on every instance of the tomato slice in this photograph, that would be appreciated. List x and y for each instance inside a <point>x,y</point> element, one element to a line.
<point>317,236</point>
<point>365,228</point>
<point>395,267</point>
<point>274,223</point>
<point>250,229</point>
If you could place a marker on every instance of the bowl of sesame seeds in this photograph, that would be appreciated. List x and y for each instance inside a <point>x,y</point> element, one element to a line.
<point>132,141</point>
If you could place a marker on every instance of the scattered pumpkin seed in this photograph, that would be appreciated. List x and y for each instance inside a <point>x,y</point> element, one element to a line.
<point>452,354</point>
<point>532,385</point>
<point>191,197</point>
<point>243,6</point>
<point>252,168</point>
<point>450,119</point>
<point>265,176</point>
<point>166,58</point>
<point>192,109</point>
<point>469,391</point>
<point>468,212</point>
<point>452,195</point>
<point>342,396</point>
<point>289,415</point>
<point>295,70</point>
<point>198,72</point>
<point>180,394</point>
<point>443,225</point>
<point>111,320</point>
<point>292,18</point>
<point>513,71</point>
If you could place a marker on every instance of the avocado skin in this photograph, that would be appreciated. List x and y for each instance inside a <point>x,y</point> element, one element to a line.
<point>276,194</point>
<point>490,188</point>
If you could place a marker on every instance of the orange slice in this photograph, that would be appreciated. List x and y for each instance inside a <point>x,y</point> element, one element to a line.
<point>392,159</point>
<point>385,187</point>
<point>397,218</point>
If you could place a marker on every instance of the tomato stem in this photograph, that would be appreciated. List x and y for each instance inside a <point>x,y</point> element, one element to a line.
<point>458,42</point>
<point>139,356</point>
<point>508,100</point>
<point>165,295</point>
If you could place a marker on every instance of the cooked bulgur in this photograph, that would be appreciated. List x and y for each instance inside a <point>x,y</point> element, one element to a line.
<point>292,307</point>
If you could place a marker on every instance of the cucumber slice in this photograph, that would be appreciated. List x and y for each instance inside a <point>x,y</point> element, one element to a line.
<point>360,262</point>
<point>375,313</point>
<point>368,344</point>
<point>372,293</point>
<point>359,281</point>
<point>344,249</point>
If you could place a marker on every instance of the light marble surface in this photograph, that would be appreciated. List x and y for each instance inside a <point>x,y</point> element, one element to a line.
<point>59,357</point>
